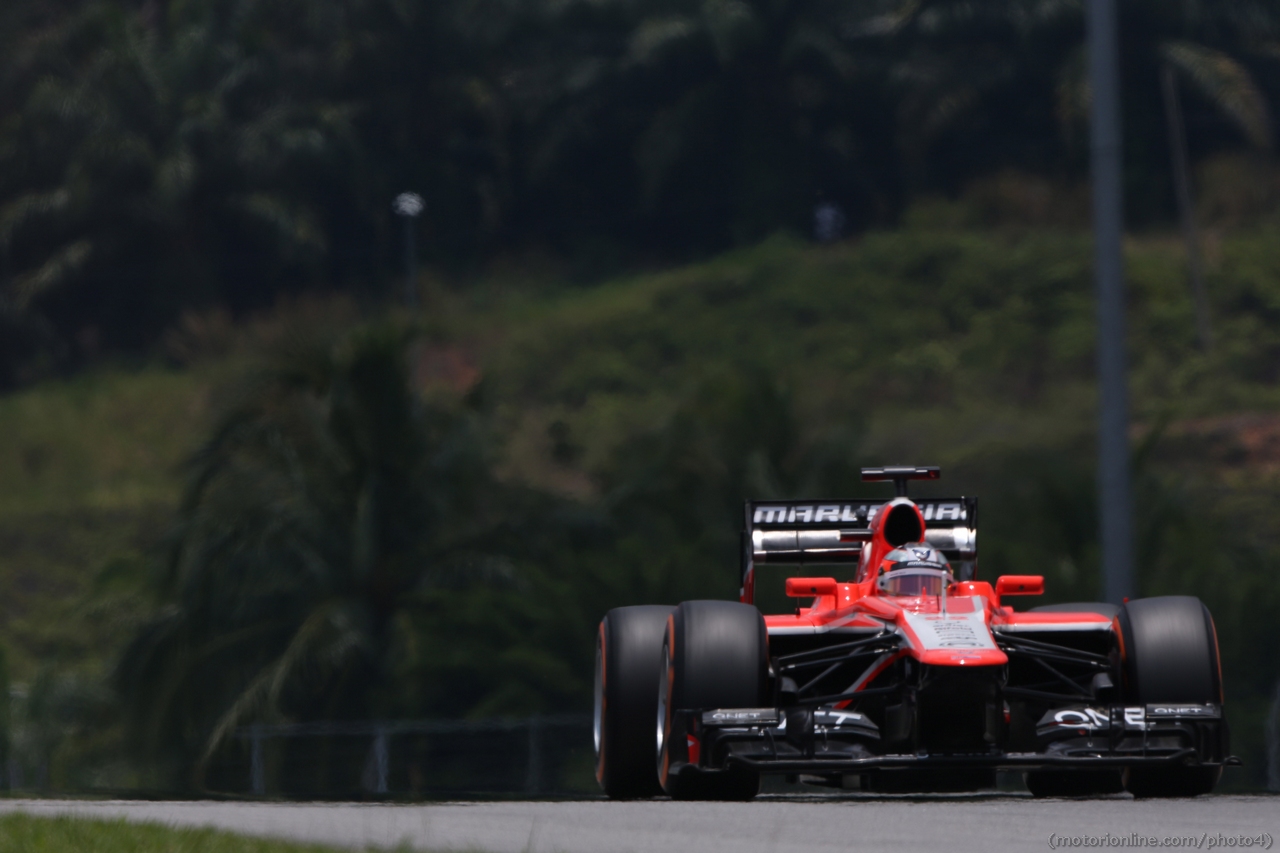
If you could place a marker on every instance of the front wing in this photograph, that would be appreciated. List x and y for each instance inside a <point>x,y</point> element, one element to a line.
<point>1073,737</point>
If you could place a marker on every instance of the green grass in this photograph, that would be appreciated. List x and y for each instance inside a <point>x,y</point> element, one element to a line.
<point>958,343</point>
<point>104,442</point>
<point>88,471</point>
<point>21,833</point>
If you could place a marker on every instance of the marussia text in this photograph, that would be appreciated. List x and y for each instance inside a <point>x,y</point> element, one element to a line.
<point>850,513</point>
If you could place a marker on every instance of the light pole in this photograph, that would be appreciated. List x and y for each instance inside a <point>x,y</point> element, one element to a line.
<point>1114,498</point>
<point>409,206</point>
<point>1186,211</point>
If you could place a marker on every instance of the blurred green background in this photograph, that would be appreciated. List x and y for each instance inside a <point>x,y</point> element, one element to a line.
<point>241,483</point>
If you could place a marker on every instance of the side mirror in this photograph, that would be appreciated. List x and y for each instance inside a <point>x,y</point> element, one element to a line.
<point>1020,585</point>
<point>805,587</point>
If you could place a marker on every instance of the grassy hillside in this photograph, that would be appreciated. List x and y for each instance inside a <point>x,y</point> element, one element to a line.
<point>771,371</point>
<point>88,472</point>
<point>952,341</point>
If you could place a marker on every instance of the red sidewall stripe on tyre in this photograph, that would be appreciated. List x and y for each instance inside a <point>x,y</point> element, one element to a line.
<point>665,772</point>
<point>604,702</point>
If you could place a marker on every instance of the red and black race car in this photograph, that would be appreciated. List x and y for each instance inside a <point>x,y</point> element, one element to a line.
<point>911,675</point>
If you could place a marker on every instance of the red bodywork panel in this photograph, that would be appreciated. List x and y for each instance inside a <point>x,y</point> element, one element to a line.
<point>952,630</point>
<point>857,608</point>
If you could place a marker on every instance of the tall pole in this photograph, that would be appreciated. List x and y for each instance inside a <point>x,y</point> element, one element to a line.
<point>409,206</point>
<point>1186,210</point>
<point>1114,496</point>
<point>410,266</point>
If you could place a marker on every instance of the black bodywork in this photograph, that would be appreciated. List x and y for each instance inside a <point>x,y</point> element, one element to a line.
<point>1055,705</point>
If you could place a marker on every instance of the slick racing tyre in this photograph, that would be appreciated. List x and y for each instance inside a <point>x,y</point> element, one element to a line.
<point>714,655</point>
<point>1169,653</point>
<point>628,659</point>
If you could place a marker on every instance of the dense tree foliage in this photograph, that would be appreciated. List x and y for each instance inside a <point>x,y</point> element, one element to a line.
<point>157,156</point>
<point>325,501</point>
<point>353,547</point>
<point>348,547</point>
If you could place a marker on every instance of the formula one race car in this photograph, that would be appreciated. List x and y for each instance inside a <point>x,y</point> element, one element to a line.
<point>912,676</point>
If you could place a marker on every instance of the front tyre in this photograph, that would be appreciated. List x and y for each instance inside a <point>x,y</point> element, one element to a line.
<point>715,655</point>
<point>628,657</point>
<point>1169,654</point>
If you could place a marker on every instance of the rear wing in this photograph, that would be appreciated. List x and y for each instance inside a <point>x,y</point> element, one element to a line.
<point>832,532</point>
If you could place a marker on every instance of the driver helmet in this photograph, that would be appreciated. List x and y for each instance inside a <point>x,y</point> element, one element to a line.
<point>920,555</point>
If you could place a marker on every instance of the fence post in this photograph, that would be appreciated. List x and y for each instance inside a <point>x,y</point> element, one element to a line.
<point>257,768</point>
<point>381,760</point>
<point>1273,742</point>
<point>533,779</point>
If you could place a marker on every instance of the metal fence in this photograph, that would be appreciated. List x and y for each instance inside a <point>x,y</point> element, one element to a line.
<point>537,755</point>
<point>1273,742</point>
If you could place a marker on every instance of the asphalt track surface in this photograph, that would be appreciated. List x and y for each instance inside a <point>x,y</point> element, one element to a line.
<point>945,824</point>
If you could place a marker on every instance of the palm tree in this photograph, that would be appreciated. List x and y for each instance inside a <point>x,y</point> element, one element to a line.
<point>977,81</point>
<point>323,502</point>
<point>152,161</point>
<point>703,123</point>
<point>156,156</point>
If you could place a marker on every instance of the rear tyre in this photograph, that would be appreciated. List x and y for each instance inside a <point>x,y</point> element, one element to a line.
<point>628,658</point>
<point>715,655</point>
<point>1169,654</point>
